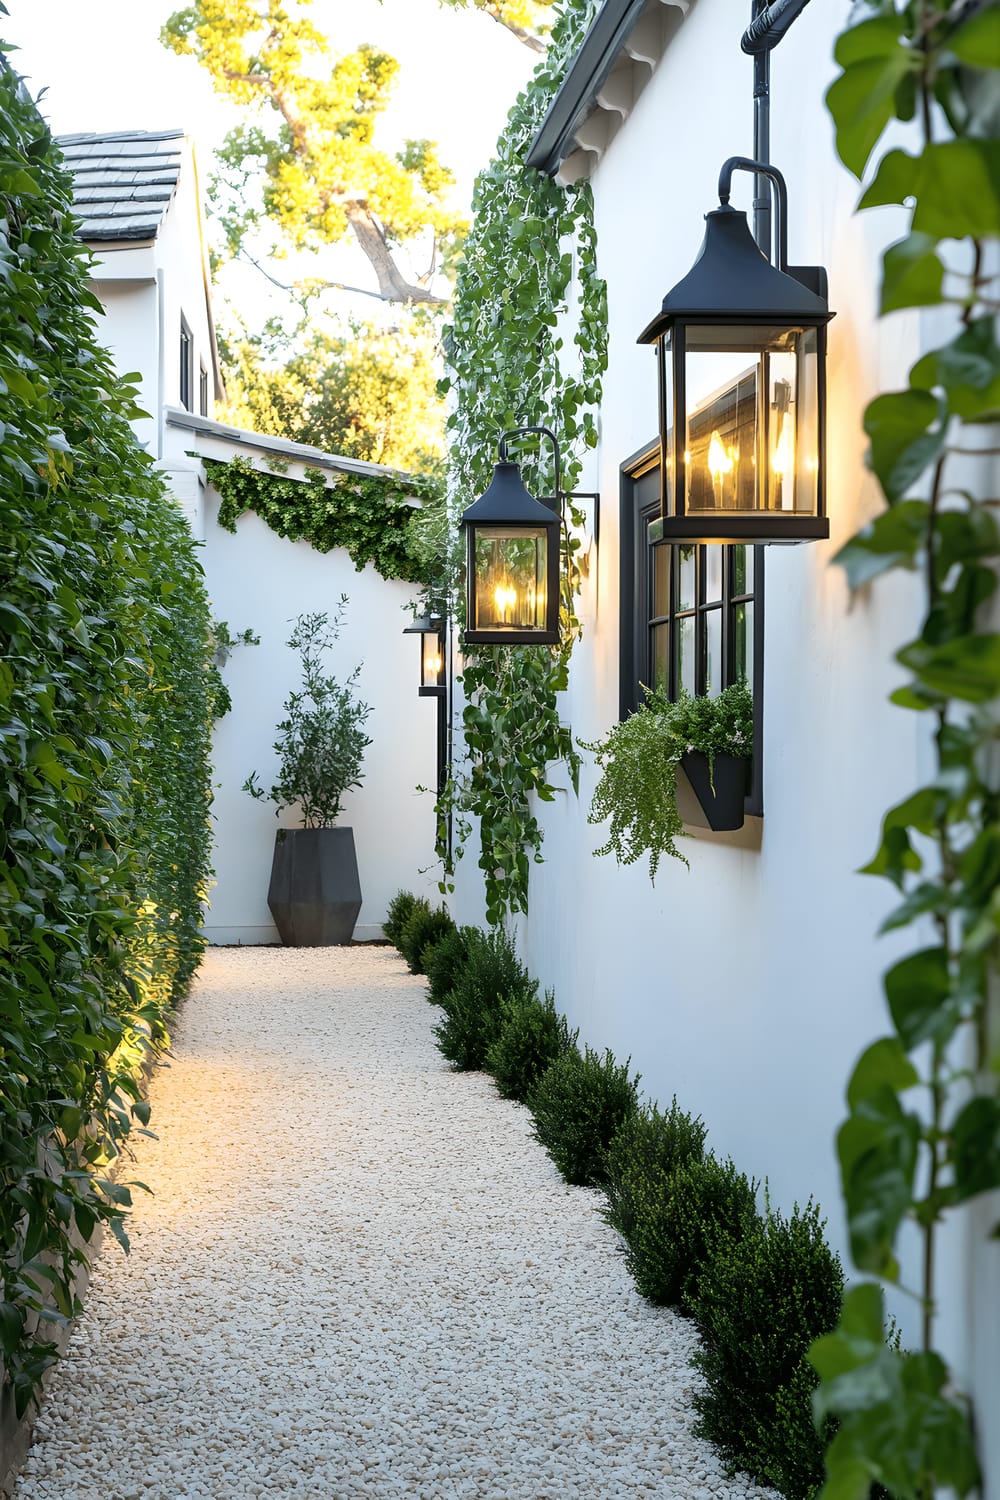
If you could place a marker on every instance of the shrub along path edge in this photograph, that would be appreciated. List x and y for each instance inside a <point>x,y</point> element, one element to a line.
<point>359,1275</point>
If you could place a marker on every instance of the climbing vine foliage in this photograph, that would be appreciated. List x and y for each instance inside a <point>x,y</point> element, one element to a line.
<point>517,357</point>
<point>373,517</point>
<point>921,1142</point>
<point>105,717</point>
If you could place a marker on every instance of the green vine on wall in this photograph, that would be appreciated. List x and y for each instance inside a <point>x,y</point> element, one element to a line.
<point>373,517</point>
<point>105,785</point>
<point>922,1137</point>
<point>508,366</point>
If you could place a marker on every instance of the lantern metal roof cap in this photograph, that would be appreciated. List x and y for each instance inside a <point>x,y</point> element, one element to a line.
<point>425,625</point>
<point>507,502</point>
<point>733,280</point>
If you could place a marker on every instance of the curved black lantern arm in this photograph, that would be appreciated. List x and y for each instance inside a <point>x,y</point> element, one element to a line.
<point>761,169</point>
<point>555,503</point>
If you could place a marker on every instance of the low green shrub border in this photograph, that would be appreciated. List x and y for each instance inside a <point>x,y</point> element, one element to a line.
<point>473,1011</point>
<point>396,915</point>
<point>760,1301</point>
<point>423,928</point>
<point>678,1222</point>
<point>643,1155</point>
<point>446,961</point>
<point>760,1288</point>
<point>578,1104</point>
<point>532,1036</point>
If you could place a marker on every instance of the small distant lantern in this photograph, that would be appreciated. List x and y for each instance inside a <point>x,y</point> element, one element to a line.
<point>512,583</point>
<point>742,369</point>
<point>430,629</point>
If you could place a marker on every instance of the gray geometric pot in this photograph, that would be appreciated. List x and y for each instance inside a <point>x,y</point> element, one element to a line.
<point>315,894</point>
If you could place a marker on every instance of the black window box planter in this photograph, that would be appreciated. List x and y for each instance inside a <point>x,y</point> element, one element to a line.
<point>724,808</point>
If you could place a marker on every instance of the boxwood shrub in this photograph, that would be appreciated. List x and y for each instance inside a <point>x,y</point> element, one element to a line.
<point>644,1153</point>
<point>531,1037</point>
<point>760,1301</point>
<point>396,915</point>
<point>446,961</point>
<point>473,1007</point>
<point>677,1219</point>
<point>423,928</point>
<point>578,1104</point>
<point>106,708</point>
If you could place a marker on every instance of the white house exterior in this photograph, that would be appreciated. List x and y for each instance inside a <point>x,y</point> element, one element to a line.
<point>748,984</point>
<point>137,196</point>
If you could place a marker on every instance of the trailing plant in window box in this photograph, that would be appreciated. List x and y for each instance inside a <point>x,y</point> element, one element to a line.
<point>639,757</point>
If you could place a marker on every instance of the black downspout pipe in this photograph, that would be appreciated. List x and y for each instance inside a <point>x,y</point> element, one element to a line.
<point>771,19</point>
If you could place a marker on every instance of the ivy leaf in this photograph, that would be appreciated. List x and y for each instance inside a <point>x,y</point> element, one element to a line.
<point>975,1150</point>
<point>862,99</point>
<point>902,445</point>
<point>918,990</point>
<point>912,274</point>
<point>883,1065</point>
<point>977,40</point>
<point>877,1148</point>
<point>968,369</point>
<point>966,668</point>
<point>892,540</point>
<point>959,190</point>
<point>896,180</point>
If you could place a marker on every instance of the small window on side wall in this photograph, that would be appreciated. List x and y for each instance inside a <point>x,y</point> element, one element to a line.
<point>185,372</point>
<point>203,391</point>
<point>691,616</point>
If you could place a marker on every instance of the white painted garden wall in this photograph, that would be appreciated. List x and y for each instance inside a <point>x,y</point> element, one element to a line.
<point>258,579</point>
<point>748,984</point>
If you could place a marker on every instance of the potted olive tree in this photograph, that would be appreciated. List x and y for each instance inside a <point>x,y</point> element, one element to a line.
<point>711,738</point>
<point>315,893</point>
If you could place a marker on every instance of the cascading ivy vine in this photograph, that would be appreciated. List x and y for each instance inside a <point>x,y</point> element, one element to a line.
<point>922,1137</point>
<point>373,517</point>
<point>507,367</point>
<point>105,786</point>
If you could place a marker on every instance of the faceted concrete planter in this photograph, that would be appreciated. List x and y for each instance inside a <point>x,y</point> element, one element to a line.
<point>315,894</point>
<point>723,807</point>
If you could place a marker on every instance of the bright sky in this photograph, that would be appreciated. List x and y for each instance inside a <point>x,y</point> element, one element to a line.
<point>104,69</point>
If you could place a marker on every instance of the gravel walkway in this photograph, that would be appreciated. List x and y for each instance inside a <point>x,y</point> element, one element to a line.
<point>359,1276</point>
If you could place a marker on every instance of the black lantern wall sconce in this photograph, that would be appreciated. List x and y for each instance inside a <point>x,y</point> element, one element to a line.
<point>513,556</point>
<point>433,632</point>
<point>742,373</point>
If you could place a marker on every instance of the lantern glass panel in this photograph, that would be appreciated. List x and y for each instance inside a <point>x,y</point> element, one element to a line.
<point>752,420</point>
<point>510,566</point>
<point>432,660</point>
<point>667,406</point>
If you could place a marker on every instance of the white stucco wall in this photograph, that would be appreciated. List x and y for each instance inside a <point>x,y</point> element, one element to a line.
<point>257,579</point>
<point>145,290</point>
<point>748,984</point>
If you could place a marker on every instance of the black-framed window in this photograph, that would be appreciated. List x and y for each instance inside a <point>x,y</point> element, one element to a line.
<point>186,355</point>
<point>202,391</point>
<point>692,616</point>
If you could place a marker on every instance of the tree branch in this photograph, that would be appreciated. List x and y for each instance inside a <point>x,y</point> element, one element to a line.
<point>393,286</point>
<point>528,38</point>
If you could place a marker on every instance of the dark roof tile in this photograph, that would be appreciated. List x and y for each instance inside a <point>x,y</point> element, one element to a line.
<point>123,181</point>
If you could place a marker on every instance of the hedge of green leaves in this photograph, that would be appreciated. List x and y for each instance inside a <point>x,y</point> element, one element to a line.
<point>105,715</point>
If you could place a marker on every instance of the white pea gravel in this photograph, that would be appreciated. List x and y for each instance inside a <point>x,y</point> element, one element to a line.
<point>359,1276</point>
